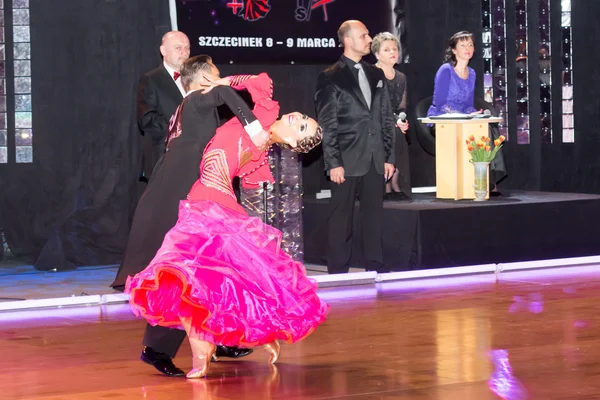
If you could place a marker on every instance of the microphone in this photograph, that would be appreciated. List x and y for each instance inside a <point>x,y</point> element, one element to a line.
<point>400,117</point>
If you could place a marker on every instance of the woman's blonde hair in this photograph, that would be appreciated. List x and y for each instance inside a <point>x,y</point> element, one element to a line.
<point>383,37</point>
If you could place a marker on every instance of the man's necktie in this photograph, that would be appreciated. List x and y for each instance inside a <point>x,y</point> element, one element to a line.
<point>363,82</point>
<point>176,75</point>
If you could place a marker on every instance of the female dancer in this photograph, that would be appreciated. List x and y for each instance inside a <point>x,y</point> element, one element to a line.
<point>220,274</point>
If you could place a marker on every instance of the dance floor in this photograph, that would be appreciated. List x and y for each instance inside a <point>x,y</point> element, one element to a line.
<point>517,335</point>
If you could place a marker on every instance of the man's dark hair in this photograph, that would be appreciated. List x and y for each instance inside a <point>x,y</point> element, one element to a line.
<point>192,67</point>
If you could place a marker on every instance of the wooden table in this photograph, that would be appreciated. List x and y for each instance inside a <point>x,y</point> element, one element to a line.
<point>453,170</point>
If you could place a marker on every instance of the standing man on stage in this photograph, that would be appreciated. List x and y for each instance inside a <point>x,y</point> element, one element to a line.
<point>353,107</point>
<point>159,93</point>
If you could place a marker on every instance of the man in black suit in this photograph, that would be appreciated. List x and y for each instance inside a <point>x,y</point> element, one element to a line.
<point>353,107</point>
<point>159,93</point>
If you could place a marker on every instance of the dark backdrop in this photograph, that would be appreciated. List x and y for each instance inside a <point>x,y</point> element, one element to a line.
<point>73,205</point>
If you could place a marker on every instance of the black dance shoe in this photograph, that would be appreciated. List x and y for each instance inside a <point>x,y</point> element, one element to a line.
<point>161,361</point>
<point>231,352</point>
<point>377,267</point>
<point>395,196</point>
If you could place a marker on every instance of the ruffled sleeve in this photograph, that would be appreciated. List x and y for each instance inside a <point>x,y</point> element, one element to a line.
<point>259,86</point>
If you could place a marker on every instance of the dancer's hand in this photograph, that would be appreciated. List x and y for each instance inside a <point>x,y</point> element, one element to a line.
<point>206,88</point>
<point>219,82</point>
<point>389,171</point>
<point>402,125</point>
<point>337,175</point>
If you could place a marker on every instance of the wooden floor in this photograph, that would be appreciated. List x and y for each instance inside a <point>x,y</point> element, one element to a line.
<point>393,341</point>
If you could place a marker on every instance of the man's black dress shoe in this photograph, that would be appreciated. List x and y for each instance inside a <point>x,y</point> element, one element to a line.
<point>161,362</point>
<point>231,352</point>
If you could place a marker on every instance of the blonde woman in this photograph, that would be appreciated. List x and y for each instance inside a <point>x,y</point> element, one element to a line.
<point>386,48</point>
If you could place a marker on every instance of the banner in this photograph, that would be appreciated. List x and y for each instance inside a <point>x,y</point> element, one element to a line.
<point>276,31</point>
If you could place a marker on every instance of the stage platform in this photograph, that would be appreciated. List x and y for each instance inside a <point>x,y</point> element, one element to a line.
<point>426,232</point>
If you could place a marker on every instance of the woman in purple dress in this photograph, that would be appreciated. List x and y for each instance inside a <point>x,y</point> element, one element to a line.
<point>454,90</point>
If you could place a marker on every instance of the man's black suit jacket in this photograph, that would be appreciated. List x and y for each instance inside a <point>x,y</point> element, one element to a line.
<point>158,98</point>
<point>353,135</point>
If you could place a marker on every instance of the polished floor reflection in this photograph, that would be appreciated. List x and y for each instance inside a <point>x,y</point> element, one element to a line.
<point>524,336</point>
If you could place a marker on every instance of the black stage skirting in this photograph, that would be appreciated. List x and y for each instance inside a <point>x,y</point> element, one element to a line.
<point>430,233</point>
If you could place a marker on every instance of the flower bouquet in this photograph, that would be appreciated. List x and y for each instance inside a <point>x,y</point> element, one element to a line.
<point>481,150</point>
<point>481,155</point>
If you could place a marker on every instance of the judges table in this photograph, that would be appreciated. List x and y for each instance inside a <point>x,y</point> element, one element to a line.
<point>453,170</point>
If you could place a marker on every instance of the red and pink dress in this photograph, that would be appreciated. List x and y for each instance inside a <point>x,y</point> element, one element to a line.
<point>219,266</point>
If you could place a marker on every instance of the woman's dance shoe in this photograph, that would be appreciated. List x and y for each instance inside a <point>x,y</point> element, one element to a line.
<point>201,362</point>
<point>273,349</point>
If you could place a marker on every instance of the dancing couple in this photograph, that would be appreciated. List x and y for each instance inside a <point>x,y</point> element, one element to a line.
<point>219,274</point>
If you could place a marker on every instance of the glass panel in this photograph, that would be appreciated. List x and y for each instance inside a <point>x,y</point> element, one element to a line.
<point>499,63</point>
<point>3,132</point>
<point>20,17</point>
<point>24,137</point>
<point>23,85</point>
<point>544,54</point>
<point>522,75</point>
<point>20,3</point>
<point>567,92</point>
<point>22,81</point>
<point>486,41</point>
<point>568,117</point>
<point>23,68</point>
<point>24,154</point>
<point>494,58</point>
<point>22,120</point>
<point>21,34</point>
<point>568,135</point>
<point>22,51</point>
<point>23,102</point>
